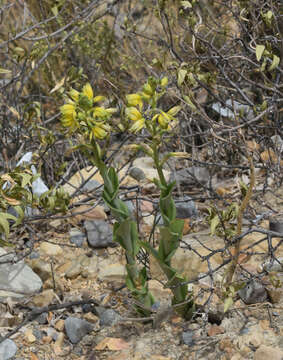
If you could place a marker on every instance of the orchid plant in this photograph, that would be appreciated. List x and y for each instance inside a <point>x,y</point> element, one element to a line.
<point>83,115</point>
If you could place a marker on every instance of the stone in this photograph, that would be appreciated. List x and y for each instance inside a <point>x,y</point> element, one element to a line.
<point>187,338</point>
<point>99,233</point>
<point>137,173</point>
<point>44,299</point>
<point>113,272</point>
<point>50,249</point>
<point>158,291</point>
<point>41,268</point>
<point>42,319</point>
<point>273,266</point>
<point>193,175</point>
<point>185,208</point>
<point>77,237</point>
<point>268,352</point>
<point>76,329</point>
<point>109,317</point>
<point>17,279</point>
<point>254,292</point>
<point>146,164</point>
<point>8,349</point>
<point>215,330</point>
<point>92,185</point>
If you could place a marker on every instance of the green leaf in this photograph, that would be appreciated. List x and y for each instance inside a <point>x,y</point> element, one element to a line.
<point>275,63</point>
<point>214,223</point>
<point>259,51</point>
<point>189,102</point>
<point>181,76</point>
<point>228,303</point>
<point>4,224</point>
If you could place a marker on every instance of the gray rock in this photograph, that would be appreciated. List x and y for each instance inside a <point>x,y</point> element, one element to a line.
<point>92,185</point>
<point>137,173</point>
<point>187,337</point>
<point>76,329</point>
<point>99,233</point>
<point>185,208</point>
<point>77,237</point>
<point>8,349</point>
<point>109,317</point>
<point>274,265</point>
<point>193,175</point>
<point>254,292</point>
<point>17,279</point>
<point>42,319</point>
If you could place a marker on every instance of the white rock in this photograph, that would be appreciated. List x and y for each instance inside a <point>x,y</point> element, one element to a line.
<point>113,272</point>
<point>51,249</point>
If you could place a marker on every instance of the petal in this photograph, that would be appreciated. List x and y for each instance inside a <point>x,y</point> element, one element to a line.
<point>174,110</point>
<point>138,125</point>
<point>87,91</point>
<point>134,100</point>
<point>74,94</point>
<point>133,114</point>
<point>98,98</point>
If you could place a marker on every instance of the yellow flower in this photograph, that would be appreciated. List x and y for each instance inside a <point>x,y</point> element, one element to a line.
<point>163,120</point>
<point>68,111</point>
<point>74,94</point>
<point>164,81</point>
<point>134,100</point>
<point>133,114</point>
<point>138,125</point>
<point>147,89</point>
<point>87,91</point>
<point>99,112</point>
<point>98,98</point>
<point>100,131</point>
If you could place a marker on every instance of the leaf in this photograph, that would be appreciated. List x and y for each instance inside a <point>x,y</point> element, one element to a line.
<point>112,344</point>
<point>58,85</point>
<point>214,223</point>
<point>275,63</point>
<point>189,102</point>
<point>4,224</point>
<point>259,51</point>
<point>181,76</point>
<point>228,303</point>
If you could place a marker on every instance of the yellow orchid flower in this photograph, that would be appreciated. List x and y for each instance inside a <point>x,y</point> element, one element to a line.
<point>164,81</point>
<point>134,100</point>
<point>74,94</point>
<point>174,110</point>
<point>100,131</point>
<point>163,120</point>
<point>98,98</point>
<point>138,125</point>
<point>100,112</point>
<point>133,114</point>
<point>68,111</point>
<point>87,91</point>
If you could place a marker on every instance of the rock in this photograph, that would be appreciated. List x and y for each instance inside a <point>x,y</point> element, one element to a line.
<point>113,272</point>
<point>50,249</point>
<point>109,317</point>
<point>137,173</point>
<point>17,279</point>
<point>76,329</point>
<point>268,352</point>
<point>193,175</point>
<point>273,266</point>
<point>187,337</point>
<point>79,178</point>
<point>254,292</point>
<point>44,299</point>
<point>77,237</point>
<point>8,349</point>
<point>146,164</point>
<point>42,319</point>
<point>41,268</point>
<point>92,185</point>
<point>185,208</point>
<point>99,233</point>
<point>74,269</point>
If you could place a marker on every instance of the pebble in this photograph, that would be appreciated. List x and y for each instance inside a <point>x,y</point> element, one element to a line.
<point>187,337</point>
<point>76,329</point>
<point>109,317</point>
<point>8,349</point>
<point>77,237</point>
<point>50,249</point>
<point>254,292</point>
<point>99,233</point>
<point>267,352</point>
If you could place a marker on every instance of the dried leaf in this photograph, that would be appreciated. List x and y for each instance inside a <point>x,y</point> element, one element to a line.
<point>181,76</point>
<point>112,344</point>
<point>259,51</point>
<point>58,85</point>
